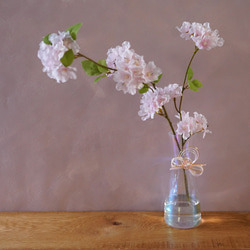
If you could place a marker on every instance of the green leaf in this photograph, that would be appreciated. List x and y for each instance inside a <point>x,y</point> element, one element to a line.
<point>197,83</point>
<point>144,89</point>
<point>90,68</point>
<point>159,78</point>
<point>192,86</point>
<point>46,40</point>
<point>68,58</point>
<point>190,73</point>
<point>73,30</point>
<point>102,69</point>
<point>100,77</point>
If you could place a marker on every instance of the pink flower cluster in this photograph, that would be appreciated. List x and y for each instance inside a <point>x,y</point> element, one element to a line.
<point>132,71</point>
<point>201,34</point>
<point>152,101</point>
<point>191,125</point>
<point>50,56</point>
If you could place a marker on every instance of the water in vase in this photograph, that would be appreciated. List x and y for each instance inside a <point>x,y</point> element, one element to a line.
<point>182,213</point>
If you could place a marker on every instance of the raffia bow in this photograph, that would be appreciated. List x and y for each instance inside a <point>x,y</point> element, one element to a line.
<point>186,160</point>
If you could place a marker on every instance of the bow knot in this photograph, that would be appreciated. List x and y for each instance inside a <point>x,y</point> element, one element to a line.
<point>186,160</point>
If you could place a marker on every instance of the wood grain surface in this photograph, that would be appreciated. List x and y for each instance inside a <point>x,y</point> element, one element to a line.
<point>121,230</point>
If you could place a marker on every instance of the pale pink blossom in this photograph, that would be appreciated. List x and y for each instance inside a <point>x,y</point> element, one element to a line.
<point>185,30</point>
<point>151,102</point>
<point>198,29</point>
<point>50,56</point>
<point>201,34</point>
<point>174,90</point>
<point>151,72</point>
<point>132,72</point>
<point>201,123</point>
<point>189,125</point>
<point>208,40</point>
<point>63,74</point>
<point>183,128</point>
<point>122,53</point>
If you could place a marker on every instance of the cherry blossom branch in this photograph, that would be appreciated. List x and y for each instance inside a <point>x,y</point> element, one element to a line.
<point>185,78</point>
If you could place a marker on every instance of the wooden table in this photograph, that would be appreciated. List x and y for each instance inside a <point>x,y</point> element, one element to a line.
<point>121,230</point>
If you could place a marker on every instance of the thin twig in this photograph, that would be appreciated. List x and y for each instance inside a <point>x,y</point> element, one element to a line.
<point>81,55</point>
<point>185,78</point>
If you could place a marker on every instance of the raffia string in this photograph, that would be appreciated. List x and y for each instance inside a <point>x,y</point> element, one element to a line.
<point>187,160</point>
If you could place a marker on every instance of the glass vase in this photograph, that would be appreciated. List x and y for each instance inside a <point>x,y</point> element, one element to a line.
<point>182,205</point>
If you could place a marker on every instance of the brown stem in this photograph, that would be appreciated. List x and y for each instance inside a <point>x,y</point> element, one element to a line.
<point>175,105</point>
<point>186,184</point>
<point>171,126</point>
<point>185,78</point>
<point>81,55</point>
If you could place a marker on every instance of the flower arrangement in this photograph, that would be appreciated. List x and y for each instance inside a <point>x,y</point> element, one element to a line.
<point>132,74</point>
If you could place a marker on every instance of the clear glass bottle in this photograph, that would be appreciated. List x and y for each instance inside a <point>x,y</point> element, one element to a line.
<point>182,206</point>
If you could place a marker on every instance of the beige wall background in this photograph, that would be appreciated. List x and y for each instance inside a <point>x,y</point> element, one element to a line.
<point>81,146</point>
